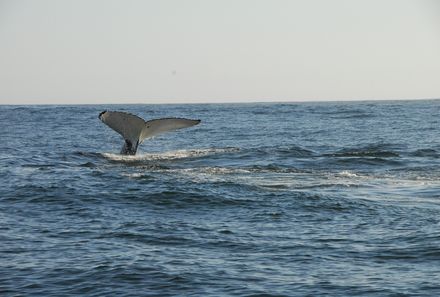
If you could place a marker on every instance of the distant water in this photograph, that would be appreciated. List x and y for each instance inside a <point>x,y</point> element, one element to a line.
<point>304,199</point>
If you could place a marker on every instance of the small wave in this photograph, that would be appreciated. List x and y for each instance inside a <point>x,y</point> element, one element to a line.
<point>295,151</point>
<point>145,174</point>
<point>352,115</point>
<point>217,170</point>
<point>380,150</point>
<point>430,153</point>
<point>345,113</point>
<point>272,168</point>
<point>88,165</point>
<point>191,198</point>
<point>283,151</point>
<point>413,253</point>
<point>363,153</point>
<point>86,154</point>
<point>39,166</point>
<point>428,173</point>
<point>368,161</point>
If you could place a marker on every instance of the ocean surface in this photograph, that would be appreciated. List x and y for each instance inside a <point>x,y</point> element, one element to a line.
<point>299,199</point>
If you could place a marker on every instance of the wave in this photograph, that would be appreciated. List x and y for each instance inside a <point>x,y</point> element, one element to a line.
<point>86,154</point>
<point>191,197</point>
<point>374,150</point>
<point>292,151</point>
<point>222,171</point>
<point>367,161</point>
<point>295,151</point>
<point>256,178</point>
<point>345,113</point>
<point>352,114</point>
<point>426,153</point>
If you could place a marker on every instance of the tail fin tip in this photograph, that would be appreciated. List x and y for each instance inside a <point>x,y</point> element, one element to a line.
<point>99,117</point>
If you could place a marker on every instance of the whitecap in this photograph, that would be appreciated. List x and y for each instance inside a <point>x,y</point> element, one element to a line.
<point>347,173</point>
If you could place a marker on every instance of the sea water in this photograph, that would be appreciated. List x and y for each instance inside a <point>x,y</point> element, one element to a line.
<point>268,199</point>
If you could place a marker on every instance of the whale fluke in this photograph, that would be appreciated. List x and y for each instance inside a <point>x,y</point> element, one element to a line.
<point>135,130</point>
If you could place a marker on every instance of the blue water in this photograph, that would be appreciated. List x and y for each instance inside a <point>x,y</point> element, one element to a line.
<point>301,199</point>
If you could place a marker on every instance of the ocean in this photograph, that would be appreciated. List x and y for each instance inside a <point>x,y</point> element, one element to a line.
<point>264,199</point>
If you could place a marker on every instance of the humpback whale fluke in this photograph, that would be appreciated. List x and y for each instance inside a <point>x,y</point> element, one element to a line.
<point>135,130</point>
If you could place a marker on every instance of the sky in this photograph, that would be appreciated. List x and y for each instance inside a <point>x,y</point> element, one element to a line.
<point>175,51</point>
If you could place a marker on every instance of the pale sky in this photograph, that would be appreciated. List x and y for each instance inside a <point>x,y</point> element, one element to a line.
<point>182,51</point>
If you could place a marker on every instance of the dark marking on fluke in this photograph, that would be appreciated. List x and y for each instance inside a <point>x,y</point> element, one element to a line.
<point>99,117</point>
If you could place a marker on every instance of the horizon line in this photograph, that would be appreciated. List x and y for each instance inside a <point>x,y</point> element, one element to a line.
<point>232,102</point>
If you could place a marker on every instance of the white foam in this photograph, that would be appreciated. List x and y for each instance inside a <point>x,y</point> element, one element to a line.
<point>215,170</point>
<point>133,175</point>
<point>172,155</point>
<point>347,173</point>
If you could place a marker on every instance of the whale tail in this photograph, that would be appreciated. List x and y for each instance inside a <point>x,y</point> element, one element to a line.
<point>135,130</point>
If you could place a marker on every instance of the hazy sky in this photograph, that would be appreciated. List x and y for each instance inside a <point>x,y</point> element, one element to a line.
<point>101,51</point>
